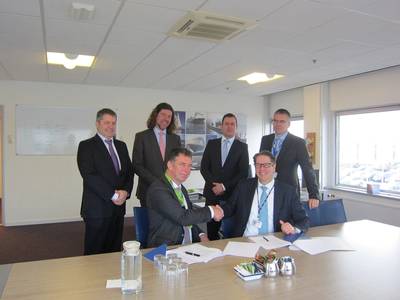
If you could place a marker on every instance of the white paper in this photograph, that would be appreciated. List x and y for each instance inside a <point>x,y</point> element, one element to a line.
<point>269,242</point>
<point>205,253</point>
<point>241,249</point>
<point>317,245</point>
<point>113,283</point>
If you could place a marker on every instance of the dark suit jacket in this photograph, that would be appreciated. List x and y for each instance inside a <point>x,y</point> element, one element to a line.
<point>235,168</point>
<point>100,179</point>
<point>167,217</point>
<point>148,164</point>
<point>293,153</point>
<point>287,206</point>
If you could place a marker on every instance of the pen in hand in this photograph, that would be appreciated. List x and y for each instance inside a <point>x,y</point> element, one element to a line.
<point>191,253</point>
<point>265,239</point>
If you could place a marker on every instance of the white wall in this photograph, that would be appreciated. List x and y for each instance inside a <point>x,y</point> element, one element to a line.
<point>42,189</point>
<point>379,88</point>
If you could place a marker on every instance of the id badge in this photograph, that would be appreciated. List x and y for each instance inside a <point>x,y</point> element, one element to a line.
<point>257,223</point>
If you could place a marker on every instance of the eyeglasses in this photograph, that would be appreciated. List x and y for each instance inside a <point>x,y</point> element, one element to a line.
<point>279,121</point>
<point>266,165</point>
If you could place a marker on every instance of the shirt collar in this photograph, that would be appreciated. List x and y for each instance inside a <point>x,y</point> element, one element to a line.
<point>171,181</point>
<point>229,139</point>
<point>269,185</point>
<point>104,138</point>
<point>157,130</point>
<point>281,136</point>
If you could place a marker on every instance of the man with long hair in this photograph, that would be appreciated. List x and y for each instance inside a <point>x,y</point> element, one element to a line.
<point>152,146</point>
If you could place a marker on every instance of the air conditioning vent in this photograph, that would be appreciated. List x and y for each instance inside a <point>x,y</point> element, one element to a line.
<point>204,25</point>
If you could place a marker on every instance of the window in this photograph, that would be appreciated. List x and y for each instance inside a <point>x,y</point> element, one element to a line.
<point>368,150</point>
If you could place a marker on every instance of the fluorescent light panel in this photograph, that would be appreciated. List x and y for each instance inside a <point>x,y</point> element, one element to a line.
<point>69,63</point>
<point>259,77</point>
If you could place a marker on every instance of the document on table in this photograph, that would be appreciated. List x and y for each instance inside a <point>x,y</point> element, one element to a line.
<point>196,253</point>
<point>269,242</point>
<point>241,249</point>
<point>317,245</point>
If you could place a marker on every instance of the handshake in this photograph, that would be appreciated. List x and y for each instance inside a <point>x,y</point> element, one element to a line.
<point>218,212</point>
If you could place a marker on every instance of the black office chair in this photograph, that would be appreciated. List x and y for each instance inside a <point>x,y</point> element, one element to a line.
<point>141,225</point>
<point>328,212</point>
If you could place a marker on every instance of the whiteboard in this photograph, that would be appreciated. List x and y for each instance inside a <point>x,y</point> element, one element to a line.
<point>46,130</point>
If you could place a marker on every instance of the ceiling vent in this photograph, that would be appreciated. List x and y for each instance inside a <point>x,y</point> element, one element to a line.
<point>204,25</point>
<point>82,11</point>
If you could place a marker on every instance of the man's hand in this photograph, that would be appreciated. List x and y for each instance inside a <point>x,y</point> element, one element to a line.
<point>204,237</point>
<point>122,195</point>
<point>313,203</point>
<point>218,213</point>
<point>286,227</point>
<point>218,188</point>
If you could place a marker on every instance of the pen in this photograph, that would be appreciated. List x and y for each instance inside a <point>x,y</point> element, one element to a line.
<point>265,239</point>
<point>191,253</point>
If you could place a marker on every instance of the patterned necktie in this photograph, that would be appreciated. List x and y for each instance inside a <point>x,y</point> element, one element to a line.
<point>113,156</point>
<point>263,214</point>
<point>161,143</point>
<point>225,150</point>
<point>186,229</point>
<point>276,147</point>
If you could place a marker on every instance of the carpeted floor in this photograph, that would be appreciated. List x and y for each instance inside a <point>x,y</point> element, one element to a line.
<point>45,241</point>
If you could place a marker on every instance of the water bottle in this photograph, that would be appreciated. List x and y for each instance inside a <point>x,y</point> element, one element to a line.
<point>131,268</point>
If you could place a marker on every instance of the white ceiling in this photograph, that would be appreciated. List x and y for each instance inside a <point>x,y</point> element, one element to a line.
<point>308,41</point>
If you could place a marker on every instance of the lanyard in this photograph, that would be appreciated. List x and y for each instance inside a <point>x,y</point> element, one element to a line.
<point>265,201</point>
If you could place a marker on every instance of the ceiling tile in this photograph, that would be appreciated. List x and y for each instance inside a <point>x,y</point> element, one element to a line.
<point>20,7</point>
<point>175,4</point>
<point>58,73</point>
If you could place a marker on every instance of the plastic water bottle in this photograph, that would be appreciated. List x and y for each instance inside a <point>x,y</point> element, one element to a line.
<point>131,268</point>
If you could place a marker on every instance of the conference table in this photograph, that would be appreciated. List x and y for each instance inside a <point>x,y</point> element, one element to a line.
<point>369,272</point>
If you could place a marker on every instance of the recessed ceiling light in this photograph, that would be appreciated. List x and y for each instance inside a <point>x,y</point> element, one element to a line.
<point>259,77</point>
<point>69,61</point>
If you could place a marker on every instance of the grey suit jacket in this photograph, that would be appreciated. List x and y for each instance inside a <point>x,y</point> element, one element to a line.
<point>293,153</point>
<point>167,217</point>
<point>147,161</point>
<point>287,206</point>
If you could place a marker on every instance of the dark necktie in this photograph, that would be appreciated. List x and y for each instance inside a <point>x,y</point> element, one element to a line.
<point>113,155</point>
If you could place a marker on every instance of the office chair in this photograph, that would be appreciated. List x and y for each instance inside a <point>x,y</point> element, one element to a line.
<point>141,225</point>
<point>328,212</point>
<point>227,227</point>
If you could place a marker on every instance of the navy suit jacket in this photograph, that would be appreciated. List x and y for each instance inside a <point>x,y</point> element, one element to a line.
<point>287,206</point>
<point>148,164</point>
<point>100,179</point>
<point>235,168</point>
<point>293,153</point>
<point>167,217</point>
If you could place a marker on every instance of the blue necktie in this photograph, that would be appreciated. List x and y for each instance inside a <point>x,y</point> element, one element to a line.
<point>225,151</point>
<point>263,217</point>
<point>276,147</point>
<point>113,156</point>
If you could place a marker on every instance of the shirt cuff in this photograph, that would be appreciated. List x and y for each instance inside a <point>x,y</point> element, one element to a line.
<point>114,197</point>
<point>211,211</point>
<point>223,187</point>
<point>201,233</point>
<point>297,230</point>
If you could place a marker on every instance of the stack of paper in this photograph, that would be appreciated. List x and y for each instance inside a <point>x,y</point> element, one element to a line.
<point>241,249</point>
<point>196,253</point>
<point>269,242</point>
<point>317,245</point>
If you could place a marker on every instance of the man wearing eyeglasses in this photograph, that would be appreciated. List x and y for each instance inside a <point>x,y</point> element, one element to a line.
<point>290,151</point>
<point>262,204</point>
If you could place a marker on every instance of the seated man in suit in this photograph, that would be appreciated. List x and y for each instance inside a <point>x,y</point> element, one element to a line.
<point>172,219</point>
<point>262,204</point>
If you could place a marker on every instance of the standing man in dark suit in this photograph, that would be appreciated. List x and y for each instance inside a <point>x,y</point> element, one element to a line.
<point>225,161</point>
<point>262,205</point>
<point>290,152</point>
<point>152,146</point>
<point>171,215</point>
<point>107,174</point>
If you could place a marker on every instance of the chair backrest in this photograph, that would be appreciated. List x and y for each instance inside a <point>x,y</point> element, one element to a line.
<point>328,212</point>
<point>227,227</point>
<point>141,225</point>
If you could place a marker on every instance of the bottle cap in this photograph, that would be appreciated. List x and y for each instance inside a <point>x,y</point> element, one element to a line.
<point>131,247</point>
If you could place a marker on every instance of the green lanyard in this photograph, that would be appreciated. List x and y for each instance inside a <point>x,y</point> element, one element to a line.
<point>178,191</point>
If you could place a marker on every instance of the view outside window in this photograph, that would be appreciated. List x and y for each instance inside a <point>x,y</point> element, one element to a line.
<point>369,150</point>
